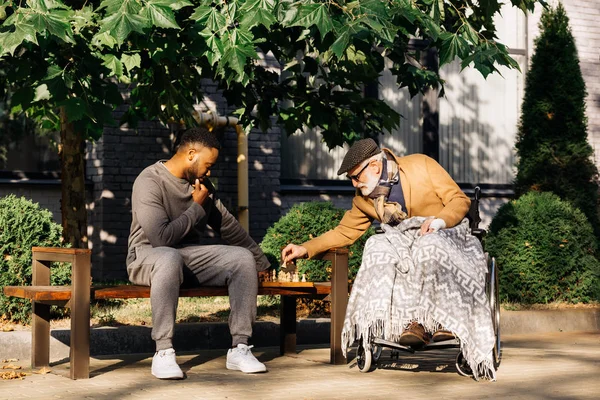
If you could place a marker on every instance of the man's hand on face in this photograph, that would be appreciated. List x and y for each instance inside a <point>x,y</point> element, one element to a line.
<point>200,192</point>
<point>291,252</point>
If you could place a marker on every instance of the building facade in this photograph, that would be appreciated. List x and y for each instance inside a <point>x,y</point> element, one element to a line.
<point>471,132</point>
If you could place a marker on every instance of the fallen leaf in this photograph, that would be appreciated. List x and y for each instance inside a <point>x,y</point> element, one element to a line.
<point>7,328</point>
<point>7,360</point>
<point>43,371</point>
<point>12,375</point>
<point>11,366</point>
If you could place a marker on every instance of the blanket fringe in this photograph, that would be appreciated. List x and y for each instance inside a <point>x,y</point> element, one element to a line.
<point>378,327</point>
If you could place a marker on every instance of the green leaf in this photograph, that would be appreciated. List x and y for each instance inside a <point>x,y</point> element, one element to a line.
<point>120,6</point>
<point>121,25</point>
<point>53,71</point>
<point>314,14</point>
<point>257,17</point>
<point>113,64</point>
<point>213,18</point>
<point>437,11</point>
<point>173,5</point>
<point>452,45</point>
<point>41,93</point>
<point>431,27</point>
<point>57,22</point>
<point>339,46</point>
<point>9,41</point>
<point>470,33</point>
<point>235,58</point>
<point>74,108</point>
<point>215,46</point>
<point>131,61</point>
<point>160,16</point>
<point>104,39</point>
<point>83,18</point>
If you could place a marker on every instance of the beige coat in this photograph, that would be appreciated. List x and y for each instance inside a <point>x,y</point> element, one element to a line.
<point>428,192</point>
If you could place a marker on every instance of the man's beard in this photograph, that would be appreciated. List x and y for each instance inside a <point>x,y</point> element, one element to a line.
<point>368,187</point>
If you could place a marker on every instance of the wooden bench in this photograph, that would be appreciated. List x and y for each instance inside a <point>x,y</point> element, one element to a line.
<point>77,297</point>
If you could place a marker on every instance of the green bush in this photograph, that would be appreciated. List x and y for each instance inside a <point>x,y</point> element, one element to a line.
<point>546,251</point>
<point>304,222</point>
<point>552,142</point>
<point>23,225</point>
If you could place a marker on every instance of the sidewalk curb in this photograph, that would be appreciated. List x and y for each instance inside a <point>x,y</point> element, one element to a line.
<point>215,335</point>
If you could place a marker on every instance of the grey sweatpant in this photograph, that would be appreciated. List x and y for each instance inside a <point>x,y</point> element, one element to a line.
<point>165,269</point>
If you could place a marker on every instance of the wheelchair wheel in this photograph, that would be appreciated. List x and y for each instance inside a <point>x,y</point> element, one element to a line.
<point>495,307</point>
<point>376,350</point>
<point>462,366</point>
<point>364,359</point>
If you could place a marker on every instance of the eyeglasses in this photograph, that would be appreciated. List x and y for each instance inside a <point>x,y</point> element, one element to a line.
<point>356,177</point>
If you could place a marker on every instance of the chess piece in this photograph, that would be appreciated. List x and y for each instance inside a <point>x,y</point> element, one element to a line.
<point>303,277</point>
<point>274,276</point>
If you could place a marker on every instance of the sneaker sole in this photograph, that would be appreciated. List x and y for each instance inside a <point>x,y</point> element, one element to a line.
<point>234,367</point>
<point>167,376</point>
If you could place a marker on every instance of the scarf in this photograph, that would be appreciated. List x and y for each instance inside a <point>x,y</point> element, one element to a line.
<point>388,212</point>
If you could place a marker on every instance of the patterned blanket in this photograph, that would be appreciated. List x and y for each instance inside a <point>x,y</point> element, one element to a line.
<point>436,280</point>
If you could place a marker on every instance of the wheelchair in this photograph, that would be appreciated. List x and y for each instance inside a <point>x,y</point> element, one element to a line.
<point>368,354</point>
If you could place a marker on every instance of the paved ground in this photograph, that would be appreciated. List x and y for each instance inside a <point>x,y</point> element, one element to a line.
<point>542,366</point>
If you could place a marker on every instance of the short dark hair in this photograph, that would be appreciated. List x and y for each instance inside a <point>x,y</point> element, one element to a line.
<point>199,135</point>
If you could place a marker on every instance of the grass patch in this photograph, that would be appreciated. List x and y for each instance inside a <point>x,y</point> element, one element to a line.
<point>557,305</point>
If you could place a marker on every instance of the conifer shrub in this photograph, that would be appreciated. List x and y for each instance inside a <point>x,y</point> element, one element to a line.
<point>23,225</point>
<point>306,221</point>
<point>552,142</point>
<point>545,249</point>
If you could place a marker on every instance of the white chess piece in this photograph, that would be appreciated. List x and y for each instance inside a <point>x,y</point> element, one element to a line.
<point>303,277</point>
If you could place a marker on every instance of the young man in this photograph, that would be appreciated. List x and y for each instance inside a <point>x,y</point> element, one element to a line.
<point>172,203</point>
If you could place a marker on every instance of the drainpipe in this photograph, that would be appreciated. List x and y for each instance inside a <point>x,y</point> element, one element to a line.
<point>213,120</point>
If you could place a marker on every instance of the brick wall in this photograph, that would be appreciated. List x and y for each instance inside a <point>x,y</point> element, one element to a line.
<point>46,195</point>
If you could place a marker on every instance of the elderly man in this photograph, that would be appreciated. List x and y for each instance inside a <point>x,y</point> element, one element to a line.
<point>172,203</point>
<point>408,276</point>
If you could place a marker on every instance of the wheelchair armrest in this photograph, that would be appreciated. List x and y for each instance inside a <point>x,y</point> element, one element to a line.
<point>479,233</point>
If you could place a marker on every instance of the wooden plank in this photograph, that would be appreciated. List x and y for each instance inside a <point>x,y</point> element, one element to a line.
<point>60,250</point>
<point>63,293</point>
<point>39,293</point>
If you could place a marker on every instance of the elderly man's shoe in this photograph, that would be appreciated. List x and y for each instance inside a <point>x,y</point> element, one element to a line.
<point>442,335</point>
<point>414,336</point>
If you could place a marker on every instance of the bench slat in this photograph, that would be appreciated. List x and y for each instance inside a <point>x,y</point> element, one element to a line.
<point>63,293</point>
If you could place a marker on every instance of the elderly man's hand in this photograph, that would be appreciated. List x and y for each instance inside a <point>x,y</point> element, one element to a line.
<point>293,251</point>
<point>432,225</point>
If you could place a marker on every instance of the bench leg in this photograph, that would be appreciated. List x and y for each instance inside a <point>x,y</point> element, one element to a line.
<point>40,336</point>
<point>287,326</point>
<point>40,323</point>
<point>339,301</point>
<point>80,318</point>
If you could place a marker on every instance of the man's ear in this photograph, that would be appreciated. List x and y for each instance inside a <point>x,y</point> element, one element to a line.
<point>191,153</point>
<point>379,166</point>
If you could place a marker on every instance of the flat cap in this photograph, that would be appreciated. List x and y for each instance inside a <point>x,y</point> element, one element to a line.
<point>359,152</point>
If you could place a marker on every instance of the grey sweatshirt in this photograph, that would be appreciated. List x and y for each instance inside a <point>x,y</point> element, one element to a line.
<point>164,214</point>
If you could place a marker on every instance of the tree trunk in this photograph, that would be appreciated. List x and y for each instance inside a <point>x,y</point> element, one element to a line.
<point>74,214</point>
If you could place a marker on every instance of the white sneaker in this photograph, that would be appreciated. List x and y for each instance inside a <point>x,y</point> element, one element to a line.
<point>240,358</point>
<point>164,365</point>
